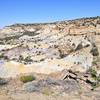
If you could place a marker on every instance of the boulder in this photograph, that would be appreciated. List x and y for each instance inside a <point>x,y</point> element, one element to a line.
<point>31,87</point>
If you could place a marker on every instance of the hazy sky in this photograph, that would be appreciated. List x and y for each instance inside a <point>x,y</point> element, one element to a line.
<point>31,11</point>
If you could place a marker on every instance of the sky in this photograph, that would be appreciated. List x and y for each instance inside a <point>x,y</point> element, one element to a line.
<point>39,11</point>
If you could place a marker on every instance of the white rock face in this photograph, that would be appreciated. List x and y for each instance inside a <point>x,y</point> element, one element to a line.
<point>12,69</point>
<point>81,59</point>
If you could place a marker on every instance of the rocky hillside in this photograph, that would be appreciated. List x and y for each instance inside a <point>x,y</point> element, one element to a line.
<point>51,61</point>
<point>50,47</point>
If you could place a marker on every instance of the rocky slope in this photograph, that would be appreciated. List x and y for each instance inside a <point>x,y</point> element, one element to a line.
<point>49,47</point>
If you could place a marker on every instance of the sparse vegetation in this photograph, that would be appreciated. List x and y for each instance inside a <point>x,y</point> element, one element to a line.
<point>25,60</point>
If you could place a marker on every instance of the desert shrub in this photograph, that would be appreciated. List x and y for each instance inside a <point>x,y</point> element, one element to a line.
<point>1,42</point>
<point>61,54</point>
<point>1,55</point>
<point>94,51</point>
<point>93,73</point>
<point>95,85</point>
<point>42,59</point>
<point>21,58</point>
<point>5,58</point>
<point>27,78</point>
<point>94,62</point>
<point>28,59</point>
<point>3,81</point>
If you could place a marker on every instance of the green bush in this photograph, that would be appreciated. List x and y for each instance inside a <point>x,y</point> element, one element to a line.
<point>27,78</point>
<point>93,73</point>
